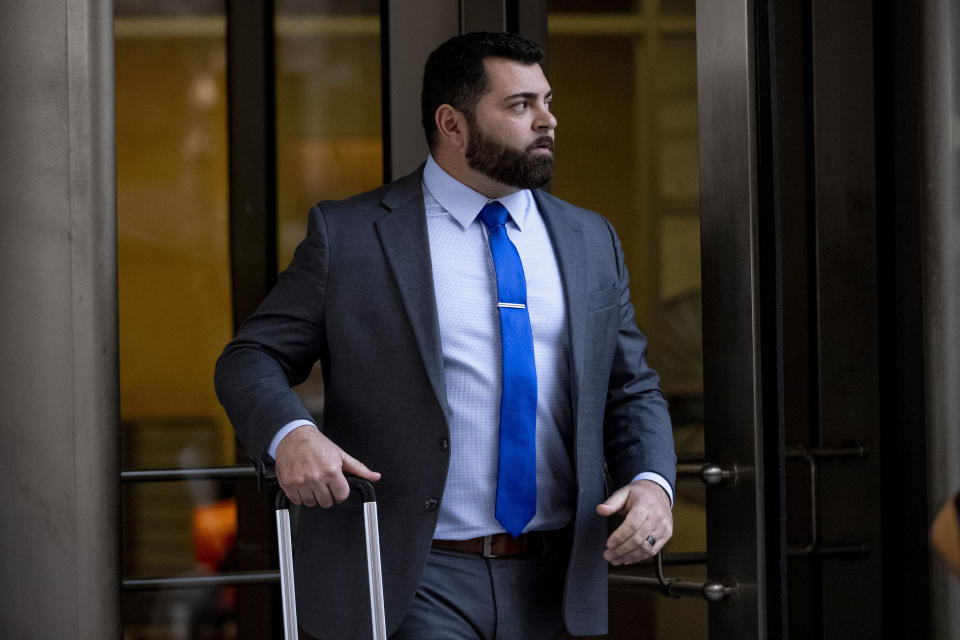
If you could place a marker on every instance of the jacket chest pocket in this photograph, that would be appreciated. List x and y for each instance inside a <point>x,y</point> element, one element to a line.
<point>602,298</point>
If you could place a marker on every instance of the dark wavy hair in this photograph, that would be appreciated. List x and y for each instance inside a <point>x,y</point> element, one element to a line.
<point>455,75</point>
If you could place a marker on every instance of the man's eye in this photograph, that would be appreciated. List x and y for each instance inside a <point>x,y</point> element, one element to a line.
<point>520,106</point>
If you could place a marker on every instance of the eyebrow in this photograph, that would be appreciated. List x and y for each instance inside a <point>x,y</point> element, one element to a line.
<point>529,95</point>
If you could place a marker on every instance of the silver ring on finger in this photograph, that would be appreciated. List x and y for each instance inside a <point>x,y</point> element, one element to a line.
<point>651,541</point>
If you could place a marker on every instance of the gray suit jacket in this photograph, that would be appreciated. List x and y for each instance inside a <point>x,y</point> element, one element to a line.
<point>358,296</point>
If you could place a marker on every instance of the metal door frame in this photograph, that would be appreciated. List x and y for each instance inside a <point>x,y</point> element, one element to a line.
<point>733,434</point>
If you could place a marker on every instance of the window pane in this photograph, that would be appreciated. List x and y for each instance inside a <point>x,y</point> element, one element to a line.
<point>172,235</point>
<point>329,142</point>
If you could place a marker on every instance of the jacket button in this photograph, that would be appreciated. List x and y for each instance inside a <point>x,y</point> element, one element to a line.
<point>432,504</point>
<point>444,444</point>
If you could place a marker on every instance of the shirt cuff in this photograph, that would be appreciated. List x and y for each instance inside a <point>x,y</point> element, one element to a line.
<point>284,430</point>
<point>659,479</point>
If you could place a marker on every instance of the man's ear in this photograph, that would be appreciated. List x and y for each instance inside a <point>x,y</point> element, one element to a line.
<point>451,126</point>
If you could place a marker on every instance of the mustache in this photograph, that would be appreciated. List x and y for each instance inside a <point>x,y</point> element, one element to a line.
<point>545,142</point>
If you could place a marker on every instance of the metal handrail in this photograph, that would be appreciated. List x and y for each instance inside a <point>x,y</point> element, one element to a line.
<point>708,473</point>
<point>199,473</point>
<point>238,578</point>
<point>226,579</point>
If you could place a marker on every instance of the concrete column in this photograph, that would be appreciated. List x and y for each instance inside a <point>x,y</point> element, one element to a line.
<point>941,245</point>
<point>59,435</point>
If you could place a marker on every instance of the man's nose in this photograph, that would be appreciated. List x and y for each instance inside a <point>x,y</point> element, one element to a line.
<point>546,121</point>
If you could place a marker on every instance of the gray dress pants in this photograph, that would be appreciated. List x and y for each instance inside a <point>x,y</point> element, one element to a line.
<point>468,597</point>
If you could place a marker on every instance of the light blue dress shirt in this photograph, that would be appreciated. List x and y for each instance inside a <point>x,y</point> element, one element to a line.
<point>465,289</point>
<point>465,284</point>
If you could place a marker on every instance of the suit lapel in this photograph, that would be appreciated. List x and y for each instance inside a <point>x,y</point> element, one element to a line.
<point>403,236</point>
<point>570,248</point>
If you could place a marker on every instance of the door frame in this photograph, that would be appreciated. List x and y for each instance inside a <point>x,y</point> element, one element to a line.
<point>734,438</point>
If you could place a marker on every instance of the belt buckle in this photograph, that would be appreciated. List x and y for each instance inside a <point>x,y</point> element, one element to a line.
<point>488,547</point>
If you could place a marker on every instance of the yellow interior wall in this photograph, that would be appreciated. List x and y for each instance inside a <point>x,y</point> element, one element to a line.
<point>173,229</point>
<point>173,245</point>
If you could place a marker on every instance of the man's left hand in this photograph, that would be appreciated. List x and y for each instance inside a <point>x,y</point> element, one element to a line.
<point>646,513</point>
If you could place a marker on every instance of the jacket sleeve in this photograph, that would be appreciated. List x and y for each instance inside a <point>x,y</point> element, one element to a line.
<point>638,435</point>
<point>276,347</point>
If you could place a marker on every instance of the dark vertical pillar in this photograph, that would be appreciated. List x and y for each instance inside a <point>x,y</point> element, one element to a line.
<point>59,424</point>
<point>253,254</point>
<point>252,153</point>
<point>782,282</point>
<point>846,298</point>
<point>899,268</point>
<point>788,353</point>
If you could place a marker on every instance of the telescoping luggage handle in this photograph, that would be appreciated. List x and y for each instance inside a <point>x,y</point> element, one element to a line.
<point>374,575</point>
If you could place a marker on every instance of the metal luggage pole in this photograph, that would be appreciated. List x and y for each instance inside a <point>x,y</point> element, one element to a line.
<point>371,528</point>
<point>287,591</point>
<point>374,572</point>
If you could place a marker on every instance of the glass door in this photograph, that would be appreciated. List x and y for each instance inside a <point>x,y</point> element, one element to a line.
<point>656,101</point>
<point>624,76</point>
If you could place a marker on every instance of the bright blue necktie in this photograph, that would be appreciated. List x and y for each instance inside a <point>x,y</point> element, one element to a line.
<point>517,476</point>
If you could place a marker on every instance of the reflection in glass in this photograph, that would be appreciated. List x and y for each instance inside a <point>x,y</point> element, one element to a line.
<point>624,80</point>
<point>328,109</point>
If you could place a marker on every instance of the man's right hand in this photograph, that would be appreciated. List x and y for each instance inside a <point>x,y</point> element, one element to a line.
<point>310,468</point>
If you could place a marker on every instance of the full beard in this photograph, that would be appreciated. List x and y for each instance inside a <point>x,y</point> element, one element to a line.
<point>521,168</point>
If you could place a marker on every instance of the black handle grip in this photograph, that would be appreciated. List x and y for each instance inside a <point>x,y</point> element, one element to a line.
<point>360,485</point>
<point>364,487</point>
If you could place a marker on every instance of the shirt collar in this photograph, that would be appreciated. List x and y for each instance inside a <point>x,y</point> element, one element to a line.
<point>463,203</point>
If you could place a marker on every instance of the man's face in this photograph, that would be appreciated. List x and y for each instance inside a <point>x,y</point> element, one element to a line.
<point>511,131</point>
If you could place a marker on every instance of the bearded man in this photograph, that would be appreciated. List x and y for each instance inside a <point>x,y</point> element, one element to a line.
<point>481,363</point>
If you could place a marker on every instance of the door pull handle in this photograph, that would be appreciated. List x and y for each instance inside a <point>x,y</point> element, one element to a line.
<point>708,472</point>
<point>812,458</point>
<point>711,590</point>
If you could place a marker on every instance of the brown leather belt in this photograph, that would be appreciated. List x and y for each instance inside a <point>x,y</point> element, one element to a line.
<point>500,545</point>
